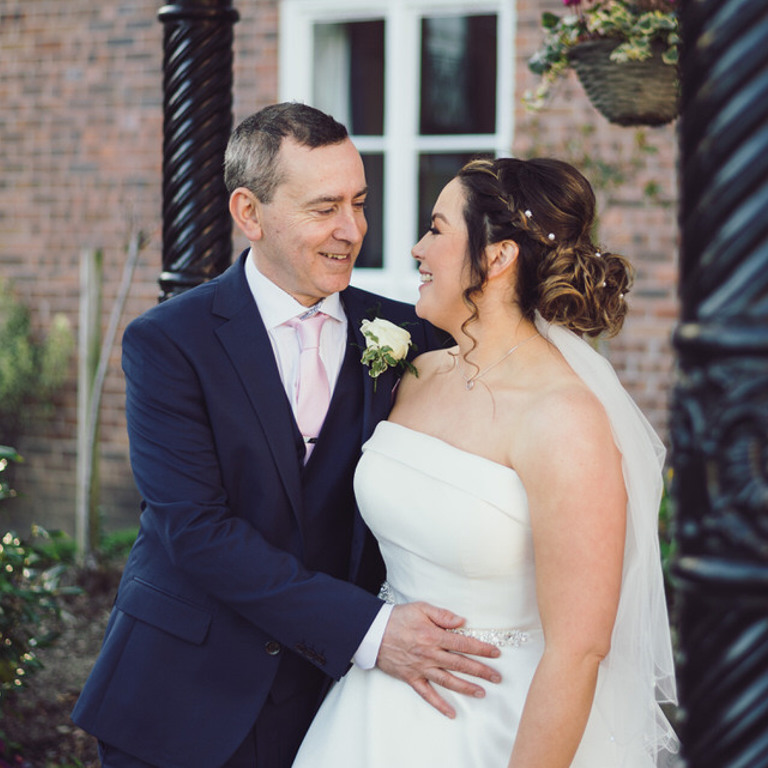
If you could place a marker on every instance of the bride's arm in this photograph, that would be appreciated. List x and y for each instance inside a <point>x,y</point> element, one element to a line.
<point>572,473</point>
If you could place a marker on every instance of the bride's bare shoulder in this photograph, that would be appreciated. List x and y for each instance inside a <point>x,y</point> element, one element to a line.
<point>565,415</point>
<point>565,402</point>
<point>558,402</point>
<point>430,363</point>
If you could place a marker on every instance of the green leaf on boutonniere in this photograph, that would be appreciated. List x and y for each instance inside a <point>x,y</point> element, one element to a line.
<point>387,346</point>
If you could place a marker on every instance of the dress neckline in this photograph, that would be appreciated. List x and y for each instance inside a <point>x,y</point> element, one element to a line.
<point>469,473</point>
<point>475,456</point>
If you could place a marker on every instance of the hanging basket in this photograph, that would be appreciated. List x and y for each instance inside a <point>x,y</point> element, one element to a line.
<point>626,93</point>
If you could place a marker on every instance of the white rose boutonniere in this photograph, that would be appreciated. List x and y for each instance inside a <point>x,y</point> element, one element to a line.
<point>386,346</point>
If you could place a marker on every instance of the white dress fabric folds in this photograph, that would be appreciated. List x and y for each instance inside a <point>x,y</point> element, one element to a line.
<point>454,531</point>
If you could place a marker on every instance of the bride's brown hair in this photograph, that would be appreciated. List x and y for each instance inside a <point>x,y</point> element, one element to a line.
<point>547,207</point>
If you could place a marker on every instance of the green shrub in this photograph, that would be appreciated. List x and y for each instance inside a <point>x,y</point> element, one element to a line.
<point>7,454</point>
<point>30,575</point>
<point>667,542</point>
<point>31,369</point>
<point>117,545</point>
<point>30,585</point>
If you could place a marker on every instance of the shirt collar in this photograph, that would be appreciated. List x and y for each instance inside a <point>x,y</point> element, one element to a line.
<point>276,306</point>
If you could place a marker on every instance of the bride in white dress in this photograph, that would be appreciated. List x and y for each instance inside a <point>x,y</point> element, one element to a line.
<point>517,484</point>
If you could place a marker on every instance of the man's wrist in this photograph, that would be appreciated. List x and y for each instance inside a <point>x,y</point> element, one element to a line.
<point>368,650</point>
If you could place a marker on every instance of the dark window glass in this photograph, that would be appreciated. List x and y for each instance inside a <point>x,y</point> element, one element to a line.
<point>371,254</point>
<point>349,74</point>
<point>435,171</point>
<point>458,75</point>
<point>366,77</point>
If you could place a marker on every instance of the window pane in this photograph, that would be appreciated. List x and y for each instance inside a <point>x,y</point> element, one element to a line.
<point>458,75</point>
<point>348,75</point>
<point>435,171</point>
<point>371,254</point>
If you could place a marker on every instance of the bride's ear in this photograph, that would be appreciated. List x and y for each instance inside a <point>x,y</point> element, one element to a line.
<point>501,257</point>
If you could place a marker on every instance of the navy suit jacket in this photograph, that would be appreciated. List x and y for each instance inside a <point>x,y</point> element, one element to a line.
<point>216,579</point>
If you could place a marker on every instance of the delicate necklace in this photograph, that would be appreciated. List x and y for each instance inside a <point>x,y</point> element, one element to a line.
<point>470,380</point>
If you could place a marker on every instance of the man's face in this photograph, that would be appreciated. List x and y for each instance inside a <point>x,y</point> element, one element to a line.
<point>312,230</point>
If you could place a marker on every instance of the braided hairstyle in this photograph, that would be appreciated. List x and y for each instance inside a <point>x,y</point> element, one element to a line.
<point>548,208</point>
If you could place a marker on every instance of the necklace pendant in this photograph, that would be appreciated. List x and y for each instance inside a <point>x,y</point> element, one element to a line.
<point>470,384</point>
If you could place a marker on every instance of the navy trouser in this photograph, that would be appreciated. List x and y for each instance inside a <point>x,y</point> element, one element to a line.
<point>272,743</point>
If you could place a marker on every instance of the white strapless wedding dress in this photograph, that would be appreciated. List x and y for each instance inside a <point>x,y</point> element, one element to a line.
<point>454,531</point>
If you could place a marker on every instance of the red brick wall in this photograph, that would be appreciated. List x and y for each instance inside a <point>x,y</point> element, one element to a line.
<point>80,159</point>
<point>639,226</point>
<point>80,153</point>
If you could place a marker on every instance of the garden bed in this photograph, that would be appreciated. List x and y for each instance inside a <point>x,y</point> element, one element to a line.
<point>37,720</point>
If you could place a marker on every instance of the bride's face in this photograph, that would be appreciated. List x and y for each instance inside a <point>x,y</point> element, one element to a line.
<point>442,257</point>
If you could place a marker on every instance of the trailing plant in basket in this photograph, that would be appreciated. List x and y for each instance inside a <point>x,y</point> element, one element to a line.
<point>637,26</point>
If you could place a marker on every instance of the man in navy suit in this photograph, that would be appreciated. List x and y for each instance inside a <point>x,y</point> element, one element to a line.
<point>252,582</point>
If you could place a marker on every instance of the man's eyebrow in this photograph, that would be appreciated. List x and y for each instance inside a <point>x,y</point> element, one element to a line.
<point>336,198</point>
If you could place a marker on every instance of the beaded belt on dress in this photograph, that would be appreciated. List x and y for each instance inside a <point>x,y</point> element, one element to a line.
<point>499,637</point>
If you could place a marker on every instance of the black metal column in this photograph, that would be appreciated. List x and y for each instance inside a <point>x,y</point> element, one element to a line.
<point>197,104</point>
<point>720,411</point>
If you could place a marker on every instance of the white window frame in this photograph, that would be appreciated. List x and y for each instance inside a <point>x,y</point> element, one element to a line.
<point>401,143</point>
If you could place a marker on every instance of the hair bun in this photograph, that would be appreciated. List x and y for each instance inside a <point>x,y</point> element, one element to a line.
<point>584,289</point>
<point>548,208</point>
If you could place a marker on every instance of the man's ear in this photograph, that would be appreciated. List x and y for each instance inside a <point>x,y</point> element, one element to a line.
<point>245,208</point>
<point>501,257</point>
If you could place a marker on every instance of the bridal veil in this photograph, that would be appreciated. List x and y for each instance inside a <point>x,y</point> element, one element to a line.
<point>638,673</point>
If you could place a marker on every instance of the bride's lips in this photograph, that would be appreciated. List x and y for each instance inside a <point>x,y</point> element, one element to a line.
<point>424,278</point>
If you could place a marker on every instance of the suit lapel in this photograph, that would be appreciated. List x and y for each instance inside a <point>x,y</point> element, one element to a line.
<point>377,400</point>
<point>247,344</point>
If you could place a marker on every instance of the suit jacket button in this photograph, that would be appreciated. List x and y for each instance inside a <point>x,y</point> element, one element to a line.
<point>272,648</point>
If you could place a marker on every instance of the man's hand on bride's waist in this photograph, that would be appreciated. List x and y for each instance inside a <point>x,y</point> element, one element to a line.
<point>418,649</point>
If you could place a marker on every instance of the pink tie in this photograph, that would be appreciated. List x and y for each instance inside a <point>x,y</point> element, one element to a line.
<point>313,393</point>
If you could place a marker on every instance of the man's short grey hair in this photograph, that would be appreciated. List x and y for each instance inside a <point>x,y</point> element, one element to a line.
<point>250,159</point>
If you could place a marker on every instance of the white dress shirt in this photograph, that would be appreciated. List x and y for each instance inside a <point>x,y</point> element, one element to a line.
<point>276,307</point>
